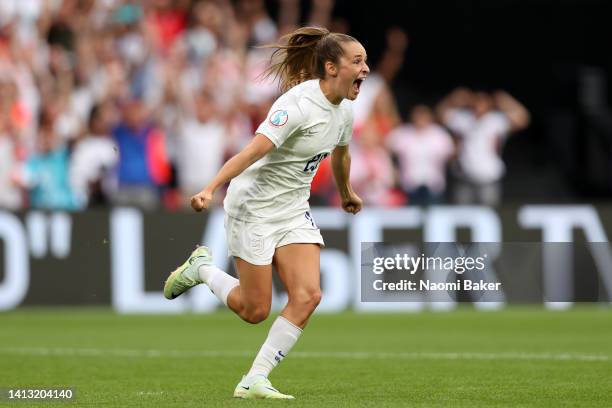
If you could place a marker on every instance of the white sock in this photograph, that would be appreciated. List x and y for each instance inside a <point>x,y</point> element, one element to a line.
<point>219,282</point>
<point>282,336</point>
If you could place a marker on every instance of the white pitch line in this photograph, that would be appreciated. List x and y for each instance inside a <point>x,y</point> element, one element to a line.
<point>149,393</point>
<point>351,355</point>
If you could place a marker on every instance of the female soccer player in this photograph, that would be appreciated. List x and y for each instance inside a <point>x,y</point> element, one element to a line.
<point>267,213</point>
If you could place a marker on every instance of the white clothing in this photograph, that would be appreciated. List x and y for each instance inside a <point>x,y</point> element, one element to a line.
<point>372,174</point>
<point>256,242</point>
<point>219,282</point>
<point>305,127</point>
<point>282,337</point>
<point>10,196</point>
<point>422,155</point>
<point>91,159</point>
<point>200,147</point>
<point>480,155</point>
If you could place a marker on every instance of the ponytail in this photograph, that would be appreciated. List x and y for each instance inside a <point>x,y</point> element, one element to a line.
<point>303,55</point>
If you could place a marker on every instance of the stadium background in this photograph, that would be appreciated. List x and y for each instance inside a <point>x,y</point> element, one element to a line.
<point>90,242</point>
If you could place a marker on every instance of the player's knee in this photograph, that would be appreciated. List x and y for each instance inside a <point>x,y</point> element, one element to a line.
<point>307,299</point>
<point>256,314</point>
<point>315,298</point>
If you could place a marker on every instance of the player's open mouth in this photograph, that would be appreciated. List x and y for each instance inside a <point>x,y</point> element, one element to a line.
<point>357,84</point>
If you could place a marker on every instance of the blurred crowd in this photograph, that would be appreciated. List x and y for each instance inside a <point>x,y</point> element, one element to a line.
<point>125,102</point>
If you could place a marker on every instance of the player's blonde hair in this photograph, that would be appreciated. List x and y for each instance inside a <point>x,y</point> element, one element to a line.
<point>303,54</point>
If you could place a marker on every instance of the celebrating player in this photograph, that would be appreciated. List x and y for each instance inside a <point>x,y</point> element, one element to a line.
<point>267,217</point>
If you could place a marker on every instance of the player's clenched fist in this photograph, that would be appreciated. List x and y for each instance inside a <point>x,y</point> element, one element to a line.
<point>352,203</point>
<point>202,200</point>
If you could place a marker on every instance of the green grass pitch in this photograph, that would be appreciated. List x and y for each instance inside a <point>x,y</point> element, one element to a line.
<point>520,357</point>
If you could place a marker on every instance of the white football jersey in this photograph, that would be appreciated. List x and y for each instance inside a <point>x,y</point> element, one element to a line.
<point>305,127</point>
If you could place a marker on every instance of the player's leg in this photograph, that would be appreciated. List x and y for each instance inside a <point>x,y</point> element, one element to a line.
<point>249,297</point>
<point>302,281</point>
<point>252,298</point>
<point>252,247</point>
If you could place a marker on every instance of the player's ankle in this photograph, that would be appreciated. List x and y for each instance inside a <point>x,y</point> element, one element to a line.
<point>206,272</point>
<point>252,378</point>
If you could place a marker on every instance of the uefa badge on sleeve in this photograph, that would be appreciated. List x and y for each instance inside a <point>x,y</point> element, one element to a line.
<point>279,117</point>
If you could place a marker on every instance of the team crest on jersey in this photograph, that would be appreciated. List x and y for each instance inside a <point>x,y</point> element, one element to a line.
<point>279,118</point>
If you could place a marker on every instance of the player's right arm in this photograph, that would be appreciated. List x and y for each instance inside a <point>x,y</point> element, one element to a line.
<point>284,118</point>
<point>258,148</point>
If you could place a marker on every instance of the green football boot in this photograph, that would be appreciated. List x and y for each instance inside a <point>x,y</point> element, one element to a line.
<point>186,276</point>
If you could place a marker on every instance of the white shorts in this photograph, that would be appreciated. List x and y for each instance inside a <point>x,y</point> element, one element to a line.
<point>256,243</point>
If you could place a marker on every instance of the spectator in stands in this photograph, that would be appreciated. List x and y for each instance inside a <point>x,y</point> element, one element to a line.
<point>10,195</point>
<point>166,21</point>
<point>45,174</point>
<point>202,38</point>
<point>94,158</point>
<point>13,117</point>
<point>260,27</point>
<point>423,149</point>
<point>376,102</point>
<point>86,54</point>
<point>201,144</point>
<point>481,121</point>
<point>374,110</point>
<point>372,171</point>
<point>143,163</point>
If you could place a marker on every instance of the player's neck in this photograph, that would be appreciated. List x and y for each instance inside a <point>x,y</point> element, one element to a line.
<point>328,91</point>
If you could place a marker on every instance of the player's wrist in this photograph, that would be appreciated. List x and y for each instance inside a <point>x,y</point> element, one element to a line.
<point>346,192</point>
<point>209,189</point>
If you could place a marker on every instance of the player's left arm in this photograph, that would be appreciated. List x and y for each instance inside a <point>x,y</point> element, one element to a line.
<point>341,166</point>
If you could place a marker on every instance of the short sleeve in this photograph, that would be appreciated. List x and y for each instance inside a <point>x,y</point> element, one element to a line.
<point>347,133</point>
<point>283,120</point>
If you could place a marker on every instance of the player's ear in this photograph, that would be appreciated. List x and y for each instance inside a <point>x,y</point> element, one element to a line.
<point>331,69</point>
